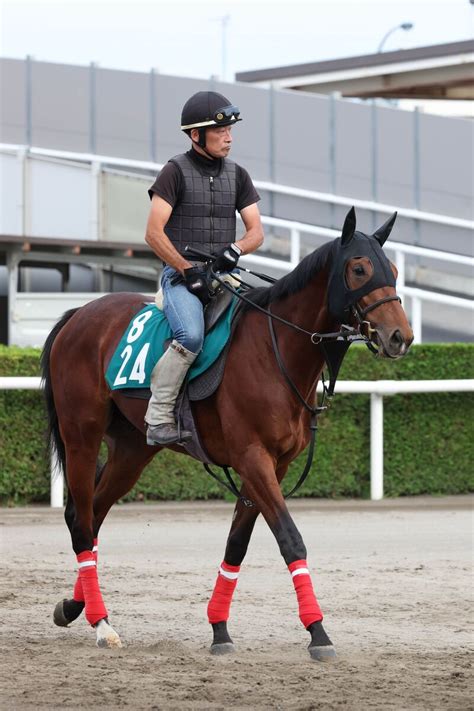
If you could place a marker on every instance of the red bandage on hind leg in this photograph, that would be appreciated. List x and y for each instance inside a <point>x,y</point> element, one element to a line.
<point>219,605</point>
<point>308,605</point>
<point>95,608</point>
<point>78,594</point>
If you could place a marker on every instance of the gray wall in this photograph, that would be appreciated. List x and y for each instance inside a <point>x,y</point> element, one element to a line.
<point>320,143</point>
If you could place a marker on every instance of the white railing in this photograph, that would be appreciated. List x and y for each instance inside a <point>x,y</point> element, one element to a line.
<point>331,198</point>
<point>295,229</point>
<point>417,296</point>
<point>377,389</point>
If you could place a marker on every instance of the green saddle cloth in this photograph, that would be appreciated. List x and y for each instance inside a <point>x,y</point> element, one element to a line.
<point>142,345</point>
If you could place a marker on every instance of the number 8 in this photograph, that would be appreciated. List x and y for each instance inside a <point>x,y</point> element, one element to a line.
<point>137,326</point>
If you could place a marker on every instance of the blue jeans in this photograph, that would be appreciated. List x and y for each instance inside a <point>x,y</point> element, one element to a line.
<point>184,312</point>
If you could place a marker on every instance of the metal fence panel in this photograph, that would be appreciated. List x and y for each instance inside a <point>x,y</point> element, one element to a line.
<point>59,106</point>
<point>125,207</point>
<point>316,142</point>
<point>11,194</point>
<point>122,113</point>
<point>12,101</point>
<point>60,201</point>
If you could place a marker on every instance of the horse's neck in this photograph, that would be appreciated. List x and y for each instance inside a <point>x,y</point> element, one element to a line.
<point>307,308</point>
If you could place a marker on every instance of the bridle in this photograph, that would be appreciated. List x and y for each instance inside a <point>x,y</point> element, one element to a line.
<point>360,314</point>
<point>346,334</point>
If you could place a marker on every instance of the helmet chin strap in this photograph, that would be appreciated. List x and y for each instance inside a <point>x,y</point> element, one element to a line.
<point>197,143</point>
<point>202,142</point>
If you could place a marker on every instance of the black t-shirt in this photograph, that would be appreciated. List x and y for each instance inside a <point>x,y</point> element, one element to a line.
<point>169,183</point>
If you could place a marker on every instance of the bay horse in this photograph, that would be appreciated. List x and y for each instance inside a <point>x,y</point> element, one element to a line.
<point>254,422</point>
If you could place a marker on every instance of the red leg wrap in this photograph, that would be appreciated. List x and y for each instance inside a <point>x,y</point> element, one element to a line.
<point>78,594</point>
<point>308,605</point>
<point>95,608</point>
<point>219,605</point>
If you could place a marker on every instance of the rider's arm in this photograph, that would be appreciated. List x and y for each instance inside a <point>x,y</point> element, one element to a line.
<point>155,236</point>
<point>253,237</point>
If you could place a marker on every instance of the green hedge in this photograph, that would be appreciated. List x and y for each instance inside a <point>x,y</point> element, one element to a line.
<point>428,438</point>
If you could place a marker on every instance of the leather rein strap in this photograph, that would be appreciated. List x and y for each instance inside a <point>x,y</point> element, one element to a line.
<point>346,333</point>
<point>314,411</point>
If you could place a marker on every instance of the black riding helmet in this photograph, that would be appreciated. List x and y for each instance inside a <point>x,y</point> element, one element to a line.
<point>207,108</point>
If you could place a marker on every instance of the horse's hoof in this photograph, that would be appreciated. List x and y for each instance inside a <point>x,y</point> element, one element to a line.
<point>66,612</point>
<point>107,637</point>
<point>323,653</point>
<point>219,650</point>
<point>59,617</point>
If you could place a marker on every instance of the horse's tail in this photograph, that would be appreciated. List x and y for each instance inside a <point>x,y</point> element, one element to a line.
<point>54,439</point>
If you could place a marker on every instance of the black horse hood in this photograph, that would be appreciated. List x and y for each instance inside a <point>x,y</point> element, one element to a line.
<point>356,244</point>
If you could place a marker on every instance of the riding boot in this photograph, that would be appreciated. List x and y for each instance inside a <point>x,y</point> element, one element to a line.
<point>166,379</point>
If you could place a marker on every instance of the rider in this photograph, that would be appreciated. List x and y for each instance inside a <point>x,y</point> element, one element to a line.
<point>193,202</point>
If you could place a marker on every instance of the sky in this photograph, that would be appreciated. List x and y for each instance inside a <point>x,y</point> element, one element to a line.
<point>221,37</point>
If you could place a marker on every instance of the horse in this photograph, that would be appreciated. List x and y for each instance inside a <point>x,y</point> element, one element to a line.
<point>254,422</point>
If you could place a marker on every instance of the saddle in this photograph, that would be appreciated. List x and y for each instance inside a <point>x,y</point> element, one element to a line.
<point>206,383</point>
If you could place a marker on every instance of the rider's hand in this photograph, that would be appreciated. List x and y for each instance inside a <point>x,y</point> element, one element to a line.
<point>196,283</point>
<point>227,258</point>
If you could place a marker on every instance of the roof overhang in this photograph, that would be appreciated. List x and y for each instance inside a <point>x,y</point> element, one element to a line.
<point>404,74</point>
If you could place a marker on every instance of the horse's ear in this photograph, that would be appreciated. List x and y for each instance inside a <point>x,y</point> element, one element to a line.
<point>382,233</point>
<point>349,227</point>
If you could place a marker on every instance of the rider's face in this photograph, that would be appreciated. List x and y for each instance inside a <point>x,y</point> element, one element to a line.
<point>219,141</point>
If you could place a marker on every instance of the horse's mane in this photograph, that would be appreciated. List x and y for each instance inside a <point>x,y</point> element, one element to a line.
<point>294,281</point>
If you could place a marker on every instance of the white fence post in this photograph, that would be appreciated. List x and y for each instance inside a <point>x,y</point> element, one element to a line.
<point>295,247</point>
<point>400,262</point>
<point>57,483</point>
<point>416,317</point>
<point>376,447</point>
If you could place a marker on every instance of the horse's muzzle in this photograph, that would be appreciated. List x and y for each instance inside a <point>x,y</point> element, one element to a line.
<point>393,344</point>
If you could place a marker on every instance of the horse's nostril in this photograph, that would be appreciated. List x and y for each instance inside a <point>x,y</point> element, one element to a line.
<point>396,339</point>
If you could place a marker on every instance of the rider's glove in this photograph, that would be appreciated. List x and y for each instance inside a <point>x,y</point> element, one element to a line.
<point>196,283</point>
<point>227,258</point>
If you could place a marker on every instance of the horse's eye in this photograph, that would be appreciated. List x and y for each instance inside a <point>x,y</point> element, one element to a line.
<point>359,271</point>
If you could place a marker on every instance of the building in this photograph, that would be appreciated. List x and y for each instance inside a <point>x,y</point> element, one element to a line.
<point>438,78</point>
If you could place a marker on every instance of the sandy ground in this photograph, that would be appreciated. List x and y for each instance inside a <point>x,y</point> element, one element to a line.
<point>393,579</point>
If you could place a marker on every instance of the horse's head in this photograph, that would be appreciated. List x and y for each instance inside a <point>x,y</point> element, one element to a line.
<point>361,288</point>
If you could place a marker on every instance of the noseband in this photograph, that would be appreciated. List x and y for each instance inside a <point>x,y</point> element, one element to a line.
<point>360,315</point>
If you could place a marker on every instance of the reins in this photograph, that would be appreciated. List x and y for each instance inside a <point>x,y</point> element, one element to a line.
<point>346,333</point>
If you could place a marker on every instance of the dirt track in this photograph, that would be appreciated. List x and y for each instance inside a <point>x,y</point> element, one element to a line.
<point>393,579</point>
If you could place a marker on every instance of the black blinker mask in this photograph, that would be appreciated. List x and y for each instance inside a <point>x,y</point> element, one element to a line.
<point>356,244</point>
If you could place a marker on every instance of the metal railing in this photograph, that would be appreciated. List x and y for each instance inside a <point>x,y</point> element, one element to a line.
<point>377,389</point>
<point>417,296</point>
<point>331,198</point>
<point>400,251</point>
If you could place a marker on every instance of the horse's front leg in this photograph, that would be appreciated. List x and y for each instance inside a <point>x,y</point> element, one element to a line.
<point>258,473</point>
<point>218,609</point>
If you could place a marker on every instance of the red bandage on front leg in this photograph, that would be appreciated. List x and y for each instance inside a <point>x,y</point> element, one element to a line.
<point>219,605</point>
<point>78,594</point>
<point>308,605</point>
<point>95,608</point>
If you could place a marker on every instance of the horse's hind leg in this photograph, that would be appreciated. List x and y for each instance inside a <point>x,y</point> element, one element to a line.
<point>127,456</point>
<point>218,609</point>
<point>82,437</point>
<point>68,610</point>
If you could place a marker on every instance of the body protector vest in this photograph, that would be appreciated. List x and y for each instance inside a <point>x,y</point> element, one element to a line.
<point>356,244</point>
<point>205,216</point>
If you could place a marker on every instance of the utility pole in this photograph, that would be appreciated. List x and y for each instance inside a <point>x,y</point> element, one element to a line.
<point>224,20</point>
